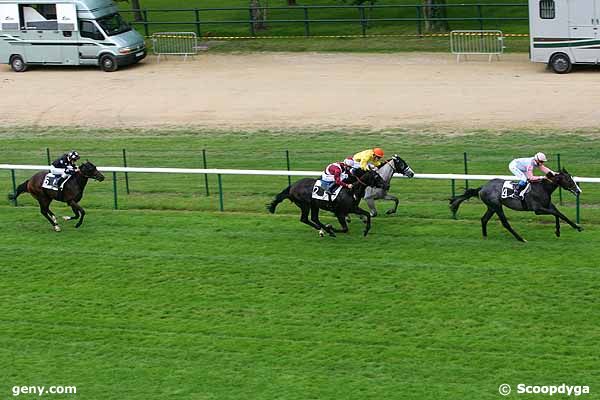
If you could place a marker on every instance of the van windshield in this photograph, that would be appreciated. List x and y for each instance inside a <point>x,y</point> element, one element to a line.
<point>113,24</point>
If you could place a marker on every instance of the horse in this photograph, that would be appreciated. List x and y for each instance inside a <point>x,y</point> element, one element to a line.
<point>392,166</point>
<point>71,193</point>
<point>347,201</point>
<point>538,200</point>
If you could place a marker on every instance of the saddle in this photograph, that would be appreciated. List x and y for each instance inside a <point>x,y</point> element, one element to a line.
<point>509,187</point>
<point>54,182</point>
<point>320,191</point>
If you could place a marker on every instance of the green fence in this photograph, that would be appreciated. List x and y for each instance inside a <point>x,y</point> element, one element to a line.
<point>243,193</point>
<point>342,20</point>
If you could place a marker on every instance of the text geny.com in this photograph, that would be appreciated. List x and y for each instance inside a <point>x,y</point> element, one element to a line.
<point>42,390</point>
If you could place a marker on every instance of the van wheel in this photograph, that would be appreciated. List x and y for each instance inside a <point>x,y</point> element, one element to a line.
<point>108,63</point>
<point>17,64</point>
<point>560,63</point>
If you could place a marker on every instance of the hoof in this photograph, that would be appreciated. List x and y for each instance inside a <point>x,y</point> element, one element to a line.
<point>57,228</point>
<point>388,212</point>
<point>373,214</point>
<point>523,240</point>
<point>321,233</point>
<point>579,228</point>
<point>329,227</point>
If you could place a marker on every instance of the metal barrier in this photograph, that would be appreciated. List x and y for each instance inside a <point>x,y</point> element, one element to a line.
<point>477,42</point>
<point>175,44</point>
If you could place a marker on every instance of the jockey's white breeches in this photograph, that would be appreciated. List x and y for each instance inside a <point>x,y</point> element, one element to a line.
<point>58,171</point>
<point>517,172</point>
<point>331,178</point>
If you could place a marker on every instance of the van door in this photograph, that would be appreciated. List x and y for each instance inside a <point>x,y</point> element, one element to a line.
<point>40,32</point>
<point>66,15</point>
<point>89,45</point>
<point>583,30</point>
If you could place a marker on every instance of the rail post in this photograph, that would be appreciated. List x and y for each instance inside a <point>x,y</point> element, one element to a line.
<point>197,14</point>
<point>250,11</point>
<point>560,198</point>
<point>14,185</point>
<point>480,15</point>
<point>363,22</point>
<point>466,169</point>
<point>306,23</point>
<point>453,195</point>
<point>48,155</point>
<point>578,212</point>
<point>126,173</point>
<point>116,205</point>
<point>205,175</point>
<point>287,159</point>
<point>221,206</point>
<point>146,29</point>
<point>419,22</point>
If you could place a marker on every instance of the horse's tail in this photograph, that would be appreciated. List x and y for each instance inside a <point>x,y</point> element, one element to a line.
<point>457,200</point>
<point>21,189</point>
<point>285,194</point>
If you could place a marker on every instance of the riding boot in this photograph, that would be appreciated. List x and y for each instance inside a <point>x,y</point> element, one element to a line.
<point>517,192</point>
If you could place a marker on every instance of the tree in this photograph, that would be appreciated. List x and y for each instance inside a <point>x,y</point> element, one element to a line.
<point>435,9</point>
<point>136,7</point>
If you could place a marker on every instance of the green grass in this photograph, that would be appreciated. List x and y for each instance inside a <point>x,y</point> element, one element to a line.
<point>188,302</point>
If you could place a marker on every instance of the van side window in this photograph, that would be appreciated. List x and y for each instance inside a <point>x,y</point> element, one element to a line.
<point>88,30</point>
<point>547,9</point>
<point>39,16</point>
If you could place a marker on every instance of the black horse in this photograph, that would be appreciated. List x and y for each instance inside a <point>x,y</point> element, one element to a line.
<point>538,200</point>
<point>347,201</point>
<point>71,193</point>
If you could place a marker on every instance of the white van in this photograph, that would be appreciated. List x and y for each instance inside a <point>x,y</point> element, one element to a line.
<point>66,32</point>
<point>564,32</point>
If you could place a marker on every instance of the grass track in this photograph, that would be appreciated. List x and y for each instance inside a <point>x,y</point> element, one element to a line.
<point>207,305</point>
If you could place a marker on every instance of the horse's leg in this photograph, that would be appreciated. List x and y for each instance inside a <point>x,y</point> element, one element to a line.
<point>557,231</point>
<point>314,216</point>
<point>80,211</point>
<point>75,211</point>
<point>305,209</point>
<point>505,223</point>
<point>371,204</point>
<point>342,220</point>
<point>367,215</point>
<point>396,202</point>
<point>484,220</point>
<point>552,210</point>
<point>45,211</point>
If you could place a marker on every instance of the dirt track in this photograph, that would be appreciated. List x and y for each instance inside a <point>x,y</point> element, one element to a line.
<point>278,90</point>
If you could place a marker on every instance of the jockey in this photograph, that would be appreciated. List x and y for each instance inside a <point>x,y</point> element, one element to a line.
<point>523,168</point>
<point>65,165</point>
<point>335,173</point>
<point>368,159</point>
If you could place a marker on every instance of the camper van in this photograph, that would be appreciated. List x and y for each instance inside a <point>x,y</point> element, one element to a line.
<point>66,32</point>
<point>564,32</point>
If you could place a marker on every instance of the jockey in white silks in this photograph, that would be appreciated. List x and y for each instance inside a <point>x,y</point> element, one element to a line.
<point>523,168</point>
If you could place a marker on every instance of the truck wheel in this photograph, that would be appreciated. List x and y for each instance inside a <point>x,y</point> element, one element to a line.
<point>108,63</point>
<point>17,64</point>
<point>560,63</point>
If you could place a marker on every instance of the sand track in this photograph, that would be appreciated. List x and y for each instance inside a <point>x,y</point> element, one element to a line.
<point>305,90</point>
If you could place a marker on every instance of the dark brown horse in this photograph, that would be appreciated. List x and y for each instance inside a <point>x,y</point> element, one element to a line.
<point>71,193</point>
<point>300,193</point>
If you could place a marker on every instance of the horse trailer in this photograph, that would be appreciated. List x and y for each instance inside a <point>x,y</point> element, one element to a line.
<point>564,32</point>
<point>66,32</point>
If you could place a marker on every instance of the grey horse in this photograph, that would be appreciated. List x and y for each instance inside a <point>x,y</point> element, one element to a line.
<point>538,200</point>
<point>393,166</point>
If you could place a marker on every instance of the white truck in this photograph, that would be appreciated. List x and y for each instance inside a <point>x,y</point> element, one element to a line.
<point>66,32</point>
<point>564,32</point>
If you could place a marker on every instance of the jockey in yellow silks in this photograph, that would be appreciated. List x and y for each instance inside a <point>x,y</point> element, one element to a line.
<point>369,158</point>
